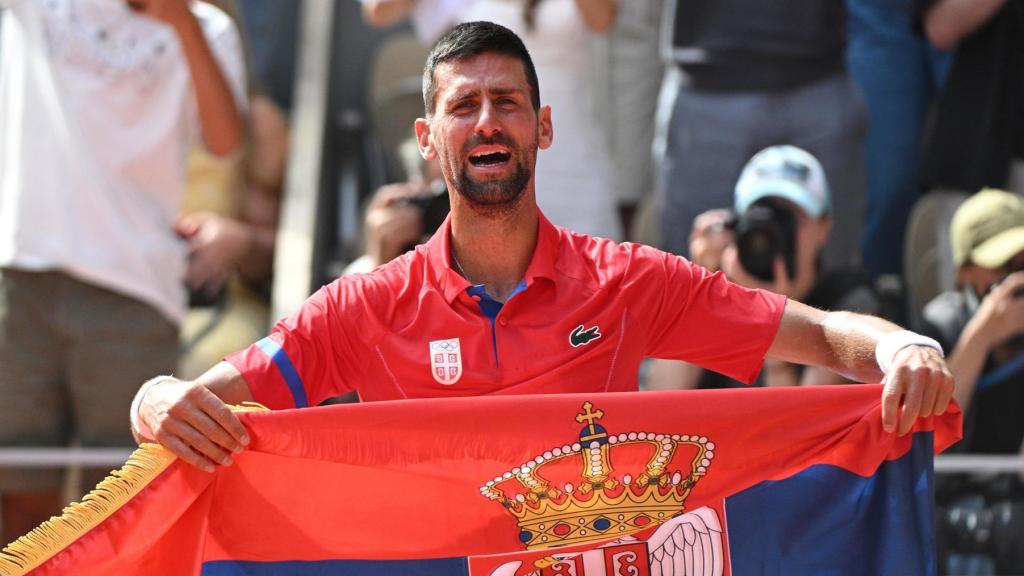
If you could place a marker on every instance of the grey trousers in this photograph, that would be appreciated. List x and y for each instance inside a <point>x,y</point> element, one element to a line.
<point>711,135</point>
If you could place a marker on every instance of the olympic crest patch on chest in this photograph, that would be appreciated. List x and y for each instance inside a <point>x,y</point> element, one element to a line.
<point>446,361</point>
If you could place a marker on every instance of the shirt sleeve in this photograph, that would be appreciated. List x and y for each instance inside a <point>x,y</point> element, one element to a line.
<point>226,46</point>
<point>705,319</point>
<point>306,358</point>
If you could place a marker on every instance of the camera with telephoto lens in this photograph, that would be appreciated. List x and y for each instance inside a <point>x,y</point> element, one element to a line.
<point>765,231</point>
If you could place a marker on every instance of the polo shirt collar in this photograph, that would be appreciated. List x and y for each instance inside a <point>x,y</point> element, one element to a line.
<point>451,283</point>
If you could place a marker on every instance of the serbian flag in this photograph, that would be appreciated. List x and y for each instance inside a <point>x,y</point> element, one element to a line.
<point>761,481</point>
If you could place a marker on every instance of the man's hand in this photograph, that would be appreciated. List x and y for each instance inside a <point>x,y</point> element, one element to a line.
<point>709,238</point>
<point>917,384</point>
<point>392,224</point>
<point>216,245</point>
<point>192,423</point>
<point>1001,314</point>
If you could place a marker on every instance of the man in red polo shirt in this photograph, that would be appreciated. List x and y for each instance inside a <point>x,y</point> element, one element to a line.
<point>500,301</point>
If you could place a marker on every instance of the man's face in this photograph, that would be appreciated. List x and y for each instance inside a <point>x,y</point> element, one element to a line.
<point>484,131</point>
<point>982,280</point>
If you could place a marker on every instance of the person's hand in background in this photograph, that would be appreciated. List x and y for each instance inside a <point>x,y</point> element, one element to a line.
<point>709,238</point>
<point>216,246</point>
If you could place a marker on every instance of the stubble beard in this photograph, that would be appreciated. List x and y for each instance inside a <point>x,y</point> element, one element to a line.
<point>494,198</point>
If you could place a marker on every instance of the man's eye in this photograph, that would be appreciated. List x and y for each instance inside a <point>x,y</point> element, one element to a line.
<point>463,106</point>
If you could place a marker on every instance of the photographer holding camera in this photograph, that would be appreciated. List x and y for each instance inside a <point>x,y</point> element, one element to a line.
<point>402,214</point>
<point>981,516</point>
<point>982,322</point>
<point>773,240</point>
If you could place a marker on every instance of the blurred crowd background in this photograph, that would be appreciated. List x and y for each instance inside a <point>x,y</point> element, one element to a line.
<point>864,155</point>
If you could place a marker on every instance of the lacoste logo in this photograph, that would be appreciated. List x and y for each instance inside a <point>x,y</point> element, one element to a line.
<point>579,337</point>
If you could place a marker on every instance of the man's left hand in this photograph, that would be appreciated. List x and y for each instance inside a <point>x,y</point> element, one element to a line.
<point>917,384</point>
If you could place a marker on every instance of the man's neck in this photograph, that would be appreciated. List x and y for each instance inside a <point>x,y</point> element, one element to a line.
<point>494,251</point>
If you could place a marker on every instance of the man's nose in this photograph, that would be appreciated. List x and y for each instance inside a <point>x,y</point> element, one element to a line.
<point>488,124</point>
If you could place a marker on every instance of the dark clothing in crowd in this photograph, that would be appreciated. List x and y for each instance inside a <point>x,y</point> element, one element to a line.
<point>979,120</point>
<point>738,45</point>
<point>753,75</point>
<point>993,424</point>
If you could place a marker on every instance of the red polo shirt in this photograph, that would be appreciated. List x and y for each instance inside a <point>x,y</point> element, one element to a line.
<point>589,310</point>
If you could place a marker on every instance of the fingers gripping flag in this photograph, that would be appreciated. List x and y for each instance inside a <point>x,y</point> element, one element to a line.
<point>787,481</point>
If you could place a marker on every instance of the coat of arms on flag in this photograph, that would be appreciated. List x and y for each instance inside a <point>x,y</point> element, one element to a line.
<point>446,361</point>
<point>601,503</point>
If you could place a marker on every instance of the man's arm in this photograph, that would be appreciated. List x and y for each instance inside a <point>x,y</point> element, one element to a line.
<point>599,15</point>
<point>383,13</point>
<point>999,318</point>
<point>917,381</point>
<point>948,21</point>
<point>219,118</point>
<point>191,419</point>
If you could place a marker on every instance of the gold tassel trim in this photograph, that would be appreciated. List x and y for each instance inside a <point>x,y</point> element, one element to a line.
<point>49,538</point>
<point>45,541</point>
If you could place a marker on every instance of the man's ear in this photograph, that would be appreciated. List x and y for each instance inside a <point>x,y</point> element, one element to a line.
<point>423,139</point>
<point>546,133</point>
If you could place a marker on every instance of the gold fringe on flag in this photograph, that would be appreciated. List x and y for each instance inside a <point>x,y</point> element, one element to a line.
<point>45,541</point>
<point>49,538</point>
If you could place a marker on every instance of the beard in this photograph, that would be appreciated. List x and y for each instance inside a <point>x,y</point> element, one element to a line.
<point>493,197</point>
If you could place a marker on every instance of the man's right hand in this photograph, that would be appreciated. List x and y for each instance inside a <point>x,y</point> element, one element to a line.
<point>193,423</point>
<point>709,237</point>
<point>1001,314</point>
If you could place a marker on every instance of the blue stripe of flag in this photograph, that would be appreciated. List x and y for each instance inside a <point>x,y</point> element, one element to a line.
<point>287,370</point>
<point>434,567</point>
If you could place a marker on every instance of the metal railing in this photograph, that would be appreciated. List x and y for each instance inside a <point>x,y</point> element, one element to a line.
<point>115,457</point>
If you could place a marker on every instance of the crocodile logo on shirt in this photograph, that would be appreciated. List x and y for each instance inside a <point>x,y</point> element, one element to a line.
<point>580,337</point>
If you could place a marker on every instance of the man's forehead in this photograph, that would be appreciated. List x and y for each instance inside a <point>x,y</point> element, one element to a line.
<point>482,72</point>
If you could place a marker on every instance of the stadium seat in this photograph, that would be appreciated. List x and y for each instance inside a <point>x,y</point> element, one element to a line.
<point>927,258</point>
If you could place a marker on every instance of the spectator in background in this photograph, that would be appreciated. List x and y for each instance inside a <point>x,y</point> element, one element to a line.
<point>574,175</point>
<point>629,66</point>
<point>403,214</point>
<point>978,136</point>
<point>899,73</point>
<point>230,214</point>
<point>99,101</point>
<point>752,75</point>
<point>275,26</point>
<point>230,225</point>
<point>775,242</point>
<point>982,323</point>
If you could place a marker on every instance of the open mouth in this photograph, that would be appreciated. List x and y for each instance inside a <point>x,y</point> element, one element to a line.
<point>489,159</point>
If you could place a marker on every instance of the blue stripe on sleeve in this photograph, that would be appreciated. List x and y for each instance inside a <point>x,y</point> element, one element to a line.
<point>288,372</point>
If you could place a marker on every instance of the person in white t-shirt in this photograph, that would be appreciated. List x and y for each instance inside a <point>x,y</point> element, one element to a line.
<point>100,101</point>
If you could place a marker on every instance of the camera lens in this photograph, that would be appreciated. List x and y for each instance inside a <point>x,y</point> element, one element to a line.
<point>765,232</point>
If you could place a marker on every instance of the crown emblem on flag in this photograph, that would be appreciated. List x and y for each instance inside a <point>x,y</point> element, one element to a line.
<point>598,504</point>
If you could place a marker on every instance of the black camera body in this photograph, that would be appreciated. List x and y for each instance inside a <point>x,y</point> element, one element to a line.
<point>765,231</point>
<point>433,209</point>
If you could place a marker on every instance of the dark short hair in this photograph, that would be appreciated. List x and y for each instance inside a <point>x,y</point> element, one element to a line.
<point>472,39</point>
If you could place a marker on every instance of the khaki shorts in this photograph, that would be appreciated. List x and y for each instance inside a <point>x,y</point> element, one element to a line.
<point>72,356</point>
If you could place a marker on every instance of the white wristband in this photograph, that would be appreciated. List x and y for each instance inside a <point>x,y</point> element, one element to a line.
<point>893,342</point>
<point>138,425</point>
